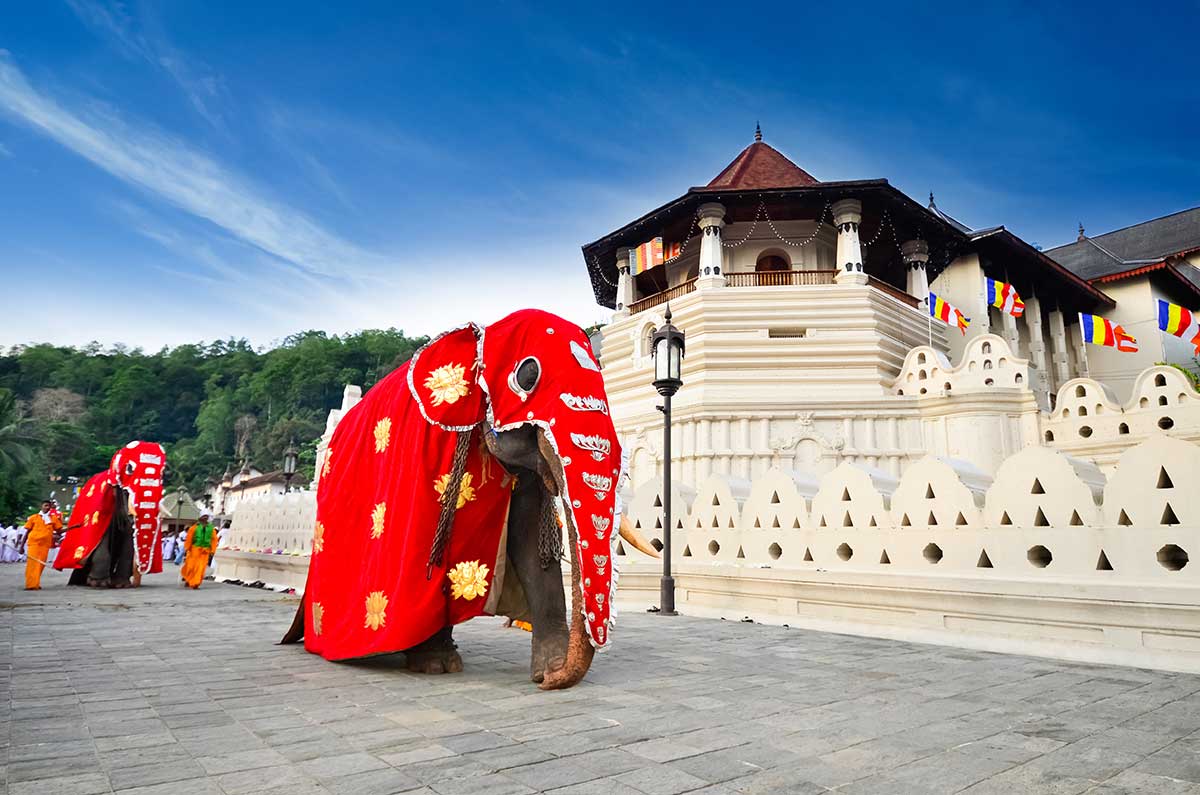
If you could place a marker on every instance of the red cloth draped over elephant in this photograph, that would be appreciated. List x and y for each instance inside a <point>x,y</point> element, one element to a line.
<point>376,582</point>
<point>138,468</point>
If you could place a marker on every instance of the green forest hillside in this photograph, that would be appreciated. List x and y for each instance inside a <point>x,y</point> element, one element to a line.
<point>64,411</point>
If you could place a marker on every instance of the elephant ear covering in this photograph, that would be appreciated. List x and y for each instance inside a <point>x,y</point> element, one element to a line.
<point>374,585</point>
<point>90,516</point>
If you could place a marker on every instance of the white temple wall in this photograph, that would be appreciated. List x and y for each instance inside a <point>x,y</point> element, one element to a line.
<point>1137,313</point>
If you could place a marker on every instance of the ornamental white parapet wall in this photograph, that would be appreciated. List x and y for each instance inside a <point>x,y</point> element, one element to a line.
<point>270,540</point>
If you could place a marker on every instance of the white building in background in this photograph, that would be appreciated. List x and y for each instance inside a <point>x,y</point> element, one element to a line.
<point>248,483</point>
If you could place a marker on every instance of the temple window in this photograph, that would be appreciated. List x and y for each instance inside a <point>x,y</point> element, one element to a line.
<point>769,261</point>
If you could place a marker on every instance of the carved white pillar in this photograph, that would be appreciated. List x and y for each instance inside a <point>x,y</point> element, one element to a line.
<point>916,257</point>
<point>1058,337</point>
<point>624,285</point>
<point>847,214</point>
<point>712,219</point>
<point>1011,335</point>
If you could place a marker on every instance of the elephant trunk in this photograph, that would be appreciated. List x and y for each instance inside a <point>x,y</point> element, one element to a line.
<point>579,648</point>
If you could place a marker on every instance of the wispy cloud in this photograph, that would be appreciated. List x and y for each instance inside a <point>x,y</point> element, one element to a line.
<point>5,151</point>
<point>187,178</point>
<point>139,38</point>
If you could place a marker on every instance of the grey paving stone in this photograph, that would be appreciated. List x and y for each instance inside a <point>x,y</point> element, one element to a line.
<point>85,784</point>
<point>327,767</point>
<point>372,782</point>
<point>661,780</point>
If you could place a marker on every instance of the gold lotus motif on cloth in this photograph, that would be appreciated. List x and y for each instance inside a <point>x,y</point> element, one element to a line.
<point>383,434</point>
<point>466,492</point>
<point>376,610</point>
<point>79,552</point>
<point>91,490</point>
<point>318,538</point>
<point>468,580</point>
<point>318,612</point>
<point>377,516</point>
<point>447,384</point>
<point>328,462</point>
<point>96,517</point>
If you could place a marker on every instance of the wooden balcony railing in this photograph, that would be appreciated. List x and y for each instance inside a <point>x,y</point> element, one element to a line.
<point>894,292</point>
<point>779,278</point>
<point>661,298</point>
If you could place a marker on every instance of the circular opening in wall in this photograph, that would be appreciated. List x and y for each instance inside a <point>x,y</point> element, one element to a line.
<point>654,542</point>
<point>1049,436</point>
<point>932,553</point>
<point>1172,557</point>
<point>923,390</point>
<point>774,551</point>
<point>845,552</point>
<point>1122,428</point>
<point>1085,431</point>
<point>713,547</point>
<point>1039,556</point>
<point>946,386</point>
<point>1166,423</point>
<point>988,382</point>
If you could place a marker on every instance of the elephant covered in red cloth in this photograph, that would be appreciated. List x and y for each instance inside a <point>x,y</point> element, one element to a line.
<point>438,502</point>
<point>113,533</point>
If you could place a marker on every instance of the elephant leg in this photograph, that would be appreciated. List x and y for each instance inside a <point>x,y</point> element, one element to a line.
<point>438,655</point>
<point>543,586</point>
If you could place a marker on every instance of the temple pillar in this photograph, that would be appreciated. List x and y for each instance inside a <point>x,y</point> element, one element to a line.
<point>916,257</point>
<point>847,214</point>
<point>1011,335</point>
<point>711,221</point>
<point>624,285</point>
<point>1058,338</point>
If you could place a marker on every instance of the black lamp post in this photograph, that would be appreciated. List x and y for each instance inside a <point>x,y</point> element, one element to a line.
<point>289,465</point>
<point>668,361</point>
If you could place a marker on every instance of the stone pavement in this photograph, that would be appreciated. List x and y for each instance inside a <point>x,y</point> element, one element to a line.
<point>163,691</point>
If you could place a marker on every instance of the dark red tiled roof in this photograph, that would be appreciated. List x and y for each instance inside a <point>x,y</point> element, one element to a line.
<point>760,166</point>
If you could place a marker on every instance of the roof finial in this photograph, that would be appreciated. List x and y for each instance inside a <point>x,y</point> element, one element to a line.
<point>757,132</point>
<point>1081,234</point>
<point>931,204</point>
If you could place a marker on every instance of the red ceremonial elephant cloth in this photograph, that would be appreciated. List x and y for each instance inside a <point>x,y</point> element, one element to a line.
<point>89,519</point>
<point>371,588</point>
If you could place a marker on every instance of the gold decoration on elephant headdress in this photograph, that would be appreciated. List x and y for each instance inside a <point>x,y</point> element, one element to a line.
<point>377,516</point>
<point>468,580</point>
<point>376,610</point>
<point>447,384</point>
<point>466,492</point>
<point>383,434</point>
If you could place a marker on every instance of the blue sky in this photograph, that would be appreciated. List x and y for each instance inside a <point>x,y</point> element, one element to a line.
<point>270,167</point>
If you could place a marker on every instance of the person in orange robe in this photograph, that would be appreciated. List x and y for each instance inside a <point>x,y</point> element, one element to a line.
<point>200,546</point>
<point>42,527</point>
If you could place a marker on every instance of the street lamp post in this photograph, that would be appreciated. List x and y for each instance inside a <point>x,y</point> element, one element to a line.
<point>667,347</point>
<point>289,465</point>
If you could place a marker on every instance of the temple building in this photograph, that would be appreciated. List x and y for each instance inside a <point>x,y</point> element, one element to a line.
<point>803,300</point>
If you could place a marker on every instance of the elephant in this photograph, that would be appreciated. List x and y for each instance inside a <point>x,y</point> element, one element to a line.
<point>112,536</point>
<point>438,502</point>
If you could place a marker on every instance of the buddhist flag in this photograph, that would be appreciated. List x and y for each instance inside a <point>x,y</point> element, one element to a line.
<point>948,313</point>
<point>1004,297</point>
<point>1180,322</point>
<point>671,251</point>
<point>646,256</point>
<point>1099,331</point>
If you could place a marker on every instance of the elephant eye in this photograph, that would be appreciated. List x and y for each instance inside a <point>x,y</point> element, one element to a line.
<point>525,377</point>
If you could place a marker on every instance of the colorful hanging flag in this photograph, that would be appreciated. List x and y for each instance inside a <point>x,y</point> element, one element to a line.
<point>1180,322</point>
<point>1004,296</point>
<point>646,256</point>
<point>671,251</point>
<point>1099,331</point>
<point>948,313</point>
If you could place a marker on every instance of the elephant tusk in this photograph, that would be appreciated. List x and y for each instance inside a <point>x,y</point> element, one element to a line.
<point>636,539</point>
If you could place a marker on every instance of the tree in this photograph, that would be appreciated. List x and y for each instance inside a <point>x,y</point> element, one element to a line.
<point>57,405</point>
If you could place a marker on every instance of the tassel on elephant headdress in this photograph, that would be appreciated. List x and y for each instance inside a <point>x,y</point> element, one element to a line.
<point>437,491</point>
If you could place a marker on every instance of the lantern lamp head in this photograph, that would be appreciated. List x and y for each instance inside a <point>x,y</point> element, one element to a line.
<point>668,348</point>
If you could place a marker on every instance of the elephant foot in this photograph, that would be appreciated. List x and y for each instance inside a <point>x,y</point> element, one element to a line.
<point>549,666</point>
<point>438,655</point>
<point>92,582</point>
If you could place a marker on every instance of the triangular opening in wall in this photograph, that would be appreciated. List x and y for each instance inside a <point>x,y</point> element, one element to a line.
<point>1076,521</point>
<point>774,498</point>
<point>1037,487</point>
<point>847,521</point>
<point>687,551</point>
<point>775,522</point>
<point>620,548</point>
<point>657,501</point>
<point>1164,480</point>
<point>715,522</point>
<point>638,524</point>
<point>679,524</point>
<point>1004,518</point>
<point>932,520</point>
<point>796,523</point>
<point>1102,563</point>
<point>1039,519</point>
<point>1169,516</point>
<point>731,523</point>
<point>960,520</point>
<point>872,523</point>
<point>658,523</point>
<point>757,523</point>
<point>715,500</point>
<point>1124,519</point>
<point>884,557</point>
<point>845,495</point>
<point>699,523</point>
<point>929,491</point>
<point>822,524</point>
<point>904,521</point>
<point>808,555</point>
<point>741,554</point>
<point>984,561</point>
